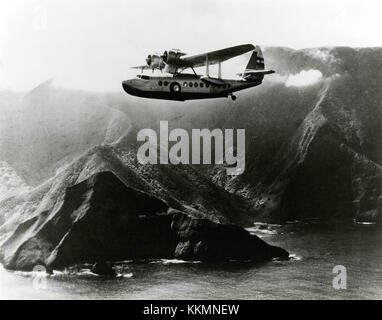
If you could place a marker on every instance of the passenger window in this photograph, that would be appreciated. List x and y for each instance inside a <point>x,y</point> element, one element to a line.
<point>185,84</point>
<point>202,85</point>
<point>160,83</point>
<point>166,83</point>
<point>195,84</point>
<point>190,84</point>
<point>207,85</point>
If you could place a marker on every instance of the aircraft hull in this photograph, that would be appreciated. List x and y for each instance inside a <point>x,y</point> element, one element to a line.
<point>189,87</point>
<point>176,96</point>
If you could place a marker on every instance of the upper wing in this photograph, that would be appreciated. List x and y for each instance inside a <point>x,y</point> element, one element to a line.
<point>216,56</point>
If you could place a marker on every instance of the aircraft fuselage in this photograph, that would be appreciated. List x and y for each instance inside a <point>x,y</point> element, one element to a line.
<point>183,87</point>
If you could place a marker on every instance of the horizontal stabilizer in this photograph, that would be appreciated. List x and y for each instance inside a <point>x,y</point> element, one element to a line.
<point>248,73</point>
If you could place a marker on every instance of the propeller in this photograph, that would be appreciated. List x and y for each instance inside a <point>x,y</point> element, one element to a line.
<point>164,56</point>
<point>148,60</point>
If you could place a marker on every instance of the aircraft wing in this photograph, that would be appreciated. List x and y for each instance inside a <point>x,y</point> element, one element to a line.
<point>217,56</point>
<point>145,67</point>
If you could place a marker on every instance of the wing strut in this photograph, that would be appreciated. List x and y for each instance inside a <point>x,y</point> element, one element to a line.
<point>194,71</point>
<point>207,67</point>
<point>220,70</point>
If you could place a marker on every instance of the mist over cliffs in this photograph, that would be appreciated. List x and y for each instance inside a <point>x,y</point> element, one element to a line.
<point>313,145</point>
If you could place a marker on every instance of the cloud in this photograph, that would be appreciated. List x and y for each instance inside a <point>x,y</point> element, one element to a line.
<point>10,182</point>
<point>322,54</point>
<point>304,78</point>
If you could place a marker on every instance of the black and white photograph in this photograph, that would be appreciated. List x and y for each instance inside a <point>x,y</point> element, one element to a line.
<point>190,155</point>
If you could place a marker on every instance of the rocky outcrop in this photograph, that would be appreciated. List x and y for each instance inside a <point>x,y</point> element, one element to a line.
<point>103,268</point>
<point>102,219</point>
<point>201,239</point>
<point>368,199</point>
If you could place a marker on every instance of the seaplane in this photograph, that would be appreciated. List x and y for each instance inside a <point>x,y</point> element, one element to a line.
<point>180,86</point>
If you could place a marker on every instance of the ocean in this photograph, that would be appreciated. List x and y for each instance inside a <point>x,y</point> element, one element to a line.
<point>315,247</point>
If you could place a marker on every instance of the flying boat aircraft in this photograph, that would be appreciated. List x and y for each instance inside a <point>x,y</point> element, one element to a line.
<point>188,86</point>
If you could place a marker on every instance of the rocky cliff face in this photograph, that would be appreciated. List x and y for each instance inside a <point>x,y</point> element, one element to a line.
<point>101,219</point>
<point>313,149</point>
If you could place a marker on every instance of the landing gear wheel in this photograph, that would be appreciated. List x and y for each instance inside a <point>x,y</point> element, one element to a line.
<point>233,97</point>
<point>175,87</point>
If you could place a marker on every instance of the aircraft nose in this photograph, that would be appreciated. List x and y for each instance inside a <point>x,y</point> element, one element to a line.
<point>132,86</point>
<point>126,85</point>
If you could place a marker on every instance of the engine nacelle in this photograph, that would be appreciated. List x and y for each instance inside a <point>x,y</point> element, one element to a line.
<point>172,56</point>
<point>155,61</point>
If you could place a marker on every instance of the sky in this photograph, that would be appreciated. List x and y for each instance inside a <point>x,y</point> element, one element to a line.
<point>90,44</point>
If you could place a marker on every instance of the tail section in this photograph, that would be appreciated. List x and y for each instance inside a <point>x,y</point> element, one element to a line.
<point>256,62</point>
<point>255,69</point>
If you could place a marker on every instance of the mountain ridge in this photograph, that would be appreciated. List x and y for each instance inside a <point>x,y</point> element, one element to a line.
<point>312,151</point>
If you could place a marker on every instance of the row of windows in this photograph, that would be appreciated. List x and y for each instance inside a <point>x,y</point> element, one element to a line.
<point>195,84</point>
<point>201,84</point>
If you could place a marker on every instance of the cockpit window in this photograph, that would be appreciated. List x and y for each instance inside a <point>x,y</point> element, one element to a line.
<point>141,76</point>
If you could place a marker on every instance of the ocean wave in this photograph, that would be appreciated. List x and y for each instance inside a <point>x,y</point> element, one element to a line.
<point>366,223</point>
<point>67,273</point>
<point>125,275</point>
<point>261,231</point>
<point>30,273</point>
<point>173,261</point>
<point>293,222</point>
<point>89,273</point>
<point>267,224</point>
<point>293,256</point>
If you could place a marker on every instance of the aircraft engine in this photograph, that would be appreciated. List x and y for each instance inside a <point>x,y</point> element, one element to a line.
<point>172,56</point>
<point>155,61</point>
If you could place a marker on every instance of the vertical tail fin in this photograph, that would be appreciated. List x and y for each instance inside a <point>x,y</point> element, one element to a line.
<point>255,69</point>
<point>256,62</point>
